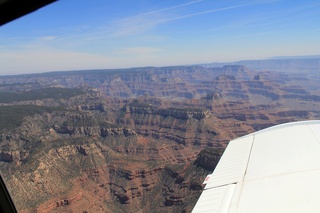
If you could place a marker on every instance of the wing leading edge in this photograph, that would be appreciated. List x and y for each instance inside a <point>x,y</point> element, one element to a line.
<point>272,170</point>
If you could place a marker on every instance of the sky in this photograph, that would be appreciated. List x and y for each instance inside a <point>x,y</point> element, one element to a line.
<point>104,34</point>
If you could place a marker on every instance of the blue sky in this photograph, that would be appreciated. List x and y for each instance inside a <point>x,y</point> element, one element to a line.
<point>95,34</point>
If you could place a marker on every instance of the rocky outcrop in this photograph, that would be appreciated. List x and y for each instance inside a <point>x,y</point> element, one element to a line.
<point>6,156</point>
<point>82,150</point>
<point>274,96</point>
<point>179,113</point>
<point>100,107</point>
<point>184,113</point>
<point>208,158</point>
<point>291,113</point>
<point>298,96</point>
<point>176,113</point>
<point>91,131</point>
<point>74,130</point>
<point>105,132</point>
<point>225,77</point>
<point>13,156</point>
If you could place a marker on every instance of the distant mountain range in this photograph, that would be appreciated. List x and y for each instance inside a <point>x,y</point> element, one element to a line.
<point>295,57</point>
<point>286,64</point>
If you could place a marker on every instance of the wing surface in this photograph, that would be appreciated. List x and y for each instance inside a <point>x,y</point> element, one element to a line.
<point>272,170</point>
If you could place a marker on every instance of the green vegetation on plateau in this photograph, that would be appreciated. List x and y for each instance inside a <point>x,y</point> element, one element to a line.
<point>12,116</point>
<point>54,92</point>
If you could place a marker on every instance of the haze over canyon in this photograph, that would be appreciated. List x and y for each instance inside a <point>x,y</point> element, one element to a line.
<point>139,139</point>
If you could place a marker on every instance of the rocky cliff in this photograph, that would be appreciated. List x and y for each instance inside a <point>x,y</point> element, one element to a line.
<point>133,140</point>
<point>67,160</point>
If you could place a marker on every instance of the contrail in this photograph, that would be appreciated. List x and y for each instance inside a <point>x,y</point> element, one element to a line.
<point>170,8</point>
<point>204,12</point>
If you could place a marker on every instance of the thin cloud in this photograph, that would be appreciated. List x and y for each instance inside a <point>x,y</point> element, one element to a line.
<point>264,1</point>
<point>134,25</point>
<point>138,24</point>
<point>143,22</point>
<point>171,8</point>
<point>47,38</point>
<point>204,12</point>
<point>139,50</point>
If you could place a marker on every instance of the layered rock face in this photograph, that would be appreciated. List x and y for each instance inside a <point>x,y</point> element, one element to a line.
<point>136,140</point>
<point>65,161</point>
<point>177,82</point>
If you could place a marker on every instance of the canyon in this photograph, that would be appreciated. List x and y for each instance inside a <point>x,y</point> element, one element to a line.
<point>139,139</point>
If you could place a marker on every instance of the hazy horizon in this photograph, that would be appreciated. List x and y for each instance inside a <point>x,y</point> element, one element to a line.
<point>306,57</point>
<point>73,35</point>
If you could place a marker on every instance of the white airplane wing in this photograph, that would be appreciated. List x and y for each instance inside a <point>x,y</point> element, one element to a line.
<point>272,170</point>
